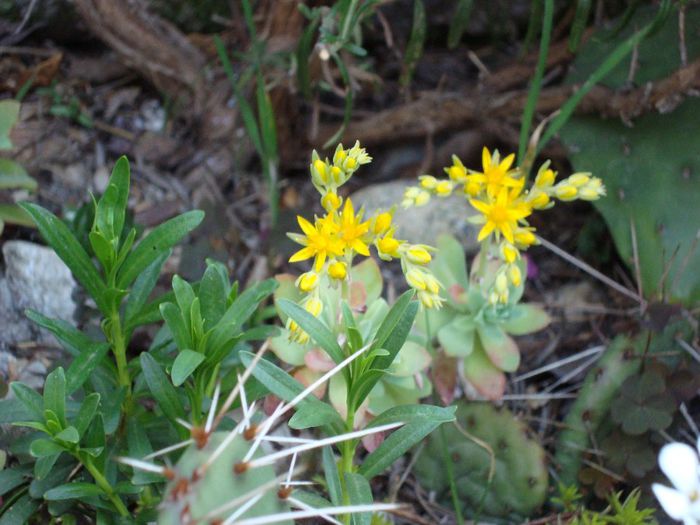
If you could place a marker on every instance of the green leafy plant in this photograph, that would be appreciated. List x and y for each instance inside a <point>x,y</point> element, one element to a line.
<point>12,174</point>
<point>472,328</point>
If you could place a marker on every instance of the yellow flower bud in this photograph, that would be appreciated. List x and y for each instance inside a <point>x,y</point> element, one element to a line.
<point>457,173</point>
<point>338,270</point>
<point>514,274</point>
<point>501,283</point>
<point>337,174</point>
<point>388,246</point>
<point>545,178</point>
<point>428,182</point>
<point>524,238</point>
<point>422,198</point>
<point>493,298</point>
<point>314,306</point>
<point>330,201</point>
<point>432,284</point>
<point>350,163</point>
<point>416,279</point>
<point>340,156</point>
<point>426,299</point>
<point>579,179</point>
<point>588,194</point>
<point>443,188</point>
<point>307,281</point>
<point>320,168</point>
<point>382,222</point>
<point>509,253</point>
<point>539,200</point>
<point>566,192</point>
<point>418,255</point>
<point>503,297</point>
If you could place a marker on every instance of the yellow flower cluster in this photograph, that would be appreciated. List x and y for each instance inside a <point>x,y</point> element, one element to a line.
<point>334,239</point>
<point>498,193</point>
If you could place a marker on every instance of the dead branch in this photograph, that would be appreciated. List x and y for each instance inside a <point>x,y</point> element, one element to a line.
<point>151,45</point>
<point>437,112</point>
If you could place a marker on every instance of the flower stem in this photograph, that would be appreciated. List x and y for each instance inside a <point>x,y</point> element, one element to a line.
<point>104,485</point>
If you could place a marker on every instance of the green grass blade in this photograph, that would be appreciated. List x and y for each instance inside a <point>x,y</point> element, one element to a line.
<point>459,23</point>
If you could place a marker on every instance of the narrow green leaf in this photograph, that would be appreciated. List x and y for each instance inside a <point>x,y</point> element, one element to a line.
<point>176,324</point>
<point>74,490</point>
<point>393,342</point>
<point>84,365</point>
<point>67,247</point>
<point>392,319</point>
<point>303,53</point>
<point>314,327</point>
<point>396,445</point>
<point>414,49</point>
<point>139,446</point>
<point>9,112</point>
<point>459,22</point>
<point>13,214</point>
<point>410,413</point>
<point>69,435</point>
<point>284,386</point>
<point>11,478</point>
<point>583,9</point>
<point>268,128</point>
<point>87,411</point>
<point>30,398</point>
<point>103,249</point>
<point>72,339</point>
<point>212,295</point>
<point>45,447</point>
<point>111,208</point>
<point>330,471</point>
<point>143,286</point>
<point>360,493</point>
<point>185,363</point>
<point>162,390</point>
<point>159,240</point>
<point>20,511</point>
<point>44,464</point>
<point>13,176</point>
<point>55,394</point>
<point>315,415</point>
<point>184,295</point>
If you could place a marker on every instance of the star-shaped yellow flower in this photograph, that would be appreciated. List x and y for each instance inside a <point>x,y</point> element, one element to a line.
<point>497,173</point>
<point>352,229</point>
<point>502,214</point>
<point>319,240</point>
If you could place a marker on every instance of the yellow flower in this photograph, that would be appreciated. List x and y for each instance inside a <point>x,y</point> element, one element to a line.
<point>501,215</point>
<point>515,275</point>
<point>545,177</point>
<point>538,199</point>
<point>338,270</point>
<point>444,188</point>
<point>319,241</point>
<point>497,173</point>
<point>352,229</point>
<point>307,281</point>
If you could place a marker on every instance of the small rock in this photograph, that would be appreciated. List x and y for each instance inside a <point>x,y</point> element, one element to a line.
<point>422,224</point>
<point>34,278</point>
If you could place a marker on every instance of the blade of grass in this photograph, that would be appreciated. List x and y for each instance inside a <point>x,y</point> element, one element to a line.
<point>536,84</point>
<point>459,23</point>
<point>599,74</point>
<point>583,10</point>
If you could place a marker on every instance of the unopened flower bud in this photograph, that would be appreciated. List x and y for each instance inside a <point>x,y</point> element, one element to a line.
<point>579,179</point>
<point>330,201</point>
<point>566,192</point>
<point>415,278</point>
<point>418,255</point>
<point>515,275</point>
<point>314,306</point>
<point>428,182</point>
<point>444,188</point>
<point>382,222</point>
<point>307,281</point>
<point>338,270</point>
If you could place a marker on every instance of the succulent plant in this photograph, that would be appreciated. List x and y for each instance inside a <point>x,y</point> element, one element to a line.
<point>519,483</point>
<point>404,383</point>
<point>650,168</point>
<point>473,329</point>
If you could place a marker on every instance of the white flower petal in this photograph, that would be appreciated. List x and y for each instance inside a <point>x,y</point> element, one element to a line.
<point>673,502</point>
<point>680,464</point>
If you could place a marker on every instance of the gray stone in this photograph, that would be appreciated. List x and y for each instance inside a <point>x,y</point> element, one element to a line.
<point>422,224</point>
<point>34,278</point>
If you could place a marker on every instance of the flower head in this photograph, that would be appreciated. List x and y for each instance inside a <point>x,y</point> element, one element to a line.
<point>320,241</point>
<point>352,229</point>
<point>502,214</point>
<point>681,465</point>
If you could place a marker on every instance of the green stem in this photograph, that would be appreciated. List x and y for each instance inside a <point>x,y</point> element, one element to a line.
<point>347,20</point>
<point>535,86</point>
<point>347,455</point>
<point>119,349</point>
<point>104,485</point>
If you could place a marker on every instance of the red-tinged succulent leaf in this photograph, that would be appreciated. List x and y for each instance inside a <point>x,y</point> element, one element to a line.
<point>369,274</point>
<point>444,377</point>
<point>488,380</point>
<point>526,319</point>
<point>288,351</point>
<point>306,376</point>
<point>318,361</point>
<point>500,347</point>
<point>358,295</point>
<point>286,290</point>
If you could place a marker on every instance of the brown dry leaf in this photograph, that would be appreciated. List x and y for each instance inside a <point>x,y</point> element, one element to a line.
<point>42,74</point>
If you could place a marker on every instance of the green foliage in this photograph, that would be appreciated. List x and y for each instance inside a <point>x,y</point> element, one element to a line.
<point>470,328</point>
<point>414,49</point>
<point>12,175</point>
<point>618,512</point>
<point>647,168</point>
<point>498,468</point>
<point>459,22</point>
